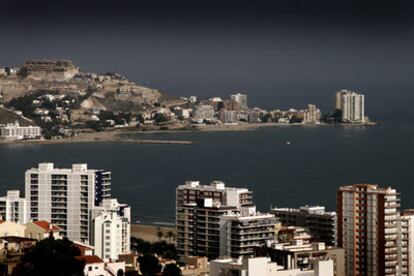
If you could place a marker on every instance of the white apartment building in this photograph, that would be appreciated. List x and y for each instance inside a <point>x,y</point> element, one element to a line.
<point>262,266</point>
<point>17,132</point>
<point>368,218</point>
<point>66,196</point>
<point>13,207</point>
<point>198,211</point>
<point>241,233</point>
<point>240,99</point>
<point>352,106</point>
<point>204,112</point>
<point>312,115</point>
<point>111,229</point>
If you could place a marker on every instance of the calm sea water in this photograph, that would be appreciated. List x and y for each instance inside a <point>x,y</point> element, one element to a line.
<point>308,171</point>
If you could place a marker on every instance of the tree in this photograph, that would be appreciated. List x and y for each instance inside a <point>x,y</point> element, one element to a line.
<point>265,117</point>
<point>141,246</point>
<point>164,249</point>
<point>170,235</point>
<point>171,270</point>
<point>161,248</point>
<point>160,234</point>
<point>160,118</point>
<point>50,257</point>
<point>149,265</point>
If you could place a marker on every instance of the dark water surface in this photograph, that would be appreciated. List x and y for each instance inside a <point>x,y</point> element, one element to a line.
<point>308,171</point>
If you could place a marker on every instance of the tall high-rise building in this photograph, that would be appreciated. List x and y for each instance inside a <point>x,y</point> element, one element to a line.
<point>111,231</point>
<point>367,229</point>
<point>198,212</point>
<point>66,197</point>
<point>352,106</point>
<point>240,99</point>
<point>320,223</point>
<point>13,207</point>
<point>406,243</point>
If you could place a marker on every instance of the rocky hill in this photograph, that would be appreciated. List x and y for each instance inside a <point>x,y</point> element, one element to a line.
<point>110,89</point>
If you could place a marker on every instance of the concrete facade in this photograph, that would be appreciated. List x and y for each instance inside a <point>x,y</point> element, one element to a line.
<point>111,230</point>
<point>65,197</point>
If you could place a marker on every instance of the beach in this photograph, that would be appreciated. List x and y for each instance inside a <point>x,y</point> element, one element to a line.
<point>150,232</point>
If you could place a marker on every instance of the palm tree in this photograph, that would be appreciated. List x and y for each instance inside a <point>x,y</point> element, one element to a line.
<point>170,235</point>
<point>160,234</point>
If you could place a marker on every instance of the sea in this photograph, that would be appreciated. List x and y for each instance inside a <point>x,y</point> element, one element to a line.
<point>279,61</point>
<point>288,166</point>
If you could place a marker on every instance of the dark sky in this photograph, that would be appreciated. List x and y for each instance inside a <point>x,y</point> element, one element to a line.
<point>281,53</point>
<point>357,9</point>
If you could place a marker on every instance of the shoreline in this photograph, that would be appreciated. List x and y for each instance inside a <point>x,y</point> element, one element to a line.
<point>118,136</point>
<point>98,137</point>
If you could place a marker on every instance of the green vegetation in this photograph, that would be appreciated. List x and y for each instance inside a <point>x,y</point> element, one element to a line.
<point>149,265</point>
<point>50,257</point>
<point>171,270</point>
<point>333,118</point>
<point>160,248</point>
<point>161,118</point>
<point>25,103</point>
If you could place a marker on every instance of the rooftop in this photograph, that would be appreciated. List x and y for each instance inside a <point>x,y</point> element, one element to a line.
<point>317,210</point>
<point>90,259</point>
<point>365,187</point>
<point>46,226</point>
<point>214,186</point>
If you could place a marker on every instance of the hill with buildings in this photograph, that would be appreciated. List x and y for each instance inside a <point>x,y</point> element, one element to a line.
<point>8,116</point>
<point>62,77</point>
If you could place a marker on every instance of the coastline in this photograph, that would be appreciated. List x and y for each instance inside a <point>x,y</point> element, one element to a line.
<point>98,137</point>
<point>119,135</point>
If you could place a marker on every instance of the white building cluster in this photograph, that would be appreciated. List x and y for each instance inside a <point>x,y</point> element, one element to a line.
<point>78,201</point>
<point>16,132</point>
<point>265,267</point>
<point>312,115</point>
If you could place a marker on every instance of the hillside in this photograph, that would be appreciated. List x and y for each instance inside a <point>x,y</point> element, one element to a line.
<point>63,77</point>
<point>7,116</point>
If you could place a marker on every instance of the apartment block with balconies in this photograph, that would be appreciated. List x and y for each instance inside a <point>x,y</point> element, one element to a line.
<point>198,211</point>
<point>368,218</point>
<point>240,233</point>
<point>66,196</point>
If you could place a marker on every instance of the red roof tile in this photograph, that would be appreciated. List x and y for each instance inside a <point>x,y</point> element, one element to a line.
<point>46,226</point>
<point>90,259</point>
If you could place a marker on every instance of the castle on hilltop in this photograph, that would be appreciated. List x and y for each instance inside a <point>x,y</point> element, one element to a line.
<point>60,69</point>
